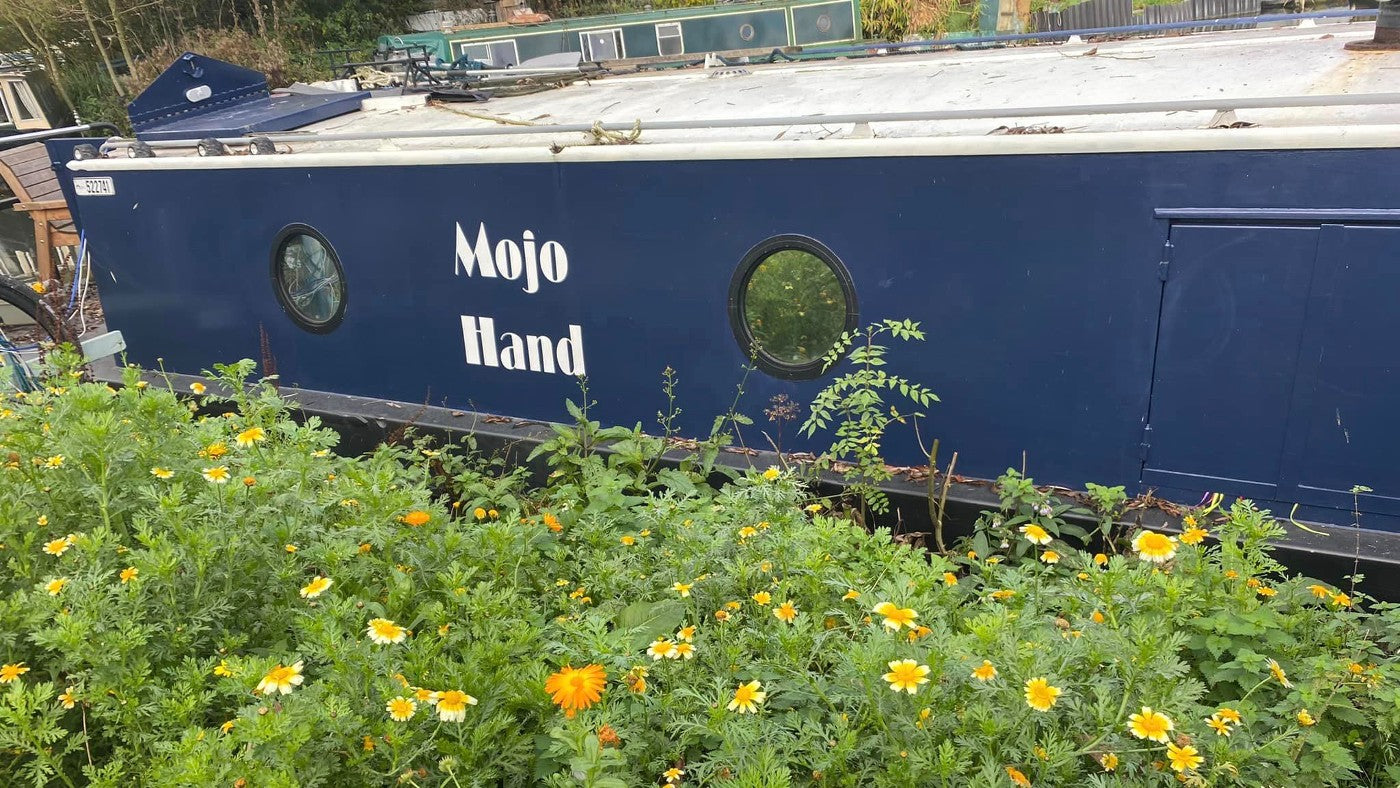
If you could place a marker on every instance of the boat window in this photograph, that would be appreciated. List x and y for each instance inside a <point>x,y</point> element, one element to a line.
<point>790,300</point>
<point>669,40</point>
<point>598,45</point>
<point>824,23</point>
<point>5,111</point>
<point>496,54</point>
<point>22,101</point>
<point>309,280</point>
<point>746,31</point>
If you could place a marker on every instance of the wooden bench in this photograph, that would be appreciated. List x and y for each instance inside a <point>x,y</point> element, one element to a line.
<point>27,171</point>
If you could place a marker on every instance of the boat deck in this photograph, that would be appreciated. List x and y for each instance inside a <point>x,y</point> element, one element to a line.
<point>1236,64</point>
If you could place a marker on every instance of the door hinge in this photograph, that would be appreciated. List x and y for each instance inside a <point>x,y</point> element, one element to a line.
<point>1145,444</point>
<point>1166,263</point>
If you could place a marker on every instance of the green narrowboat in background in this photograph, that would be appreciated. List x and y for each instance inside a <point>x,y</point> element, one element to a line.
<point>674,32</point>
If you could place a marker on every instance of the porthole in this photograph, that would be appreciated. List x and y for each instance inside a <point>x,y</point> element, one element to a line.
<point>746,31</point>
<point>789,301</point>
<point>824,23</point>
<point>308,278</point>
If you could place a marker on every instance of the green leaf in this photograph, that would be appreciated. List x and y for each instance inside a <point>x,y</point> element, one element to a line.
<point>650,620</point>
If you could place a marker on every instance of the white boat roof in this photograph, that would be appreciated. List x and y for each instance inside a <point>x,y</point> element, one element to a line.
<point>1253,63</point>
<point>1241,65</point>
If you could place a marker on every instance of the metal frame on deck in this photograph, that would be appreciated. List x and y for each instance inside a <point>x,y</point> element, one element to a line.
<point>1071,110</point>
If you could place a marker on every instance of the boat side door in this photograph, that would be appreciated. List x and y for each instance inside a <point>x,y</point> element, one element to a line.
<point>1347,407</point>
<point>1233,309</point>
<point>1277,373</point>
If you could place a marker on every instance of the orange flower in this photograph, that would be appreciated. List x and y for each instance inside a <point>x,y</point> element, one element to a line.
<point>416,518</point>
<point>576,689</point>
<point>1017,777</point>
<point>786,612</point>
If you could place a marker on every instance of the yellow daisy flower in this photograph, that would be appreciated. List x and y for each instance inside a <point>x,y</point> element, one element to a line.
<point>1150,725</point>
<point>683,651</point>
<point>1319,591</point>
<point>1109,761</point>
<point>771,474</point>
<point>674,775</point>
<point>661,649</point>
<point>1183,759</point>
<point>747,698</point>
<point>222,669</point>
<point>250,436</point>
<point>906,675</point>
<point>384,632</point>
<point>1277,671</point>
<point>1035,534</point>
<point>227,726</point>
<point>628,540</point>
<point>1101,559</point>
<point>58,546</point>
<point>67,699</point>
<point>1229,715</point>
<point>1018,777</point>
<point>1050,557</point>
<point>1221,727</point>
<point>11,672</point>
<point>682,588</point>
<point>198,388</point>
<point>281,678</point>
<point>950,579</point>
<point>452,705</point>
<point>686,634</point>
<point>1194,536</point>
<point>128,574</point>
<point>162,473</point>
<point>1154,547</point>
<point>984,672</point>
<point>1040,695</point>
<point>786,612</point>
<point>763,597</point>
<point>850,594</point>
<point>218,474</point>
<point>1305,718</point>
<point>896,618</point>
<point>55,587</point>
<point>401,709</point>
<point>316,587</point>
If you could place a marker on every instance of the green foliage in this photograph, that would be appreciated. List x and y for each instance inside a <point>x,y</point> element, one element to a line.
<point>855,401</point>
<point>885,20</point>
<point>182,594</point>
<point>794,306</point>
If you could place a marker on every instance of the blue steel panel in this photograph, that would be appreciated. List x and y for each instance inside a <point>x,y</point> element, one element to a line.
<point>268,113</point>
<point>1227,353</point>
<point>1035,275</point>
<point>1352,419</point>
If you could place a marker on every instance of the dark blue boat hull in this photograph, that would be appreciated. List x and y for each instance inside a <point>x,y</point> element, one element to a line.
<point>1189,322</point>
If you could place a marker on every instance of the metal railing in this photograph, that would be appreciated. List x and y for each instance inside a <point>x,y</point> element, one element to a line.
<point>1120,108</point>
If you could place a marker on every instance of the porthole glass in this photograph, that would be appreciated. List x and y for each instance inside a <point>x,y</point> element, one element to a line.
<point>746,31</point>
<point>309,280</point>
<point>790,301</point>
<point>824,23</point>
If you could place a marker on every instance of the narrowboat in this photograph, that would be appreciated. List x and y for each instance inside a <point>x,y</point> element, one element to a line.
<point>1167,263</point>
<point>665,33</point>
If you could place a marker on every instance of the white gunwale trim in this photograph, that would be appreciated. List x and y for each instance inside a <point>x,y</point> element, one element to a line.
<point>1255,139</point>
